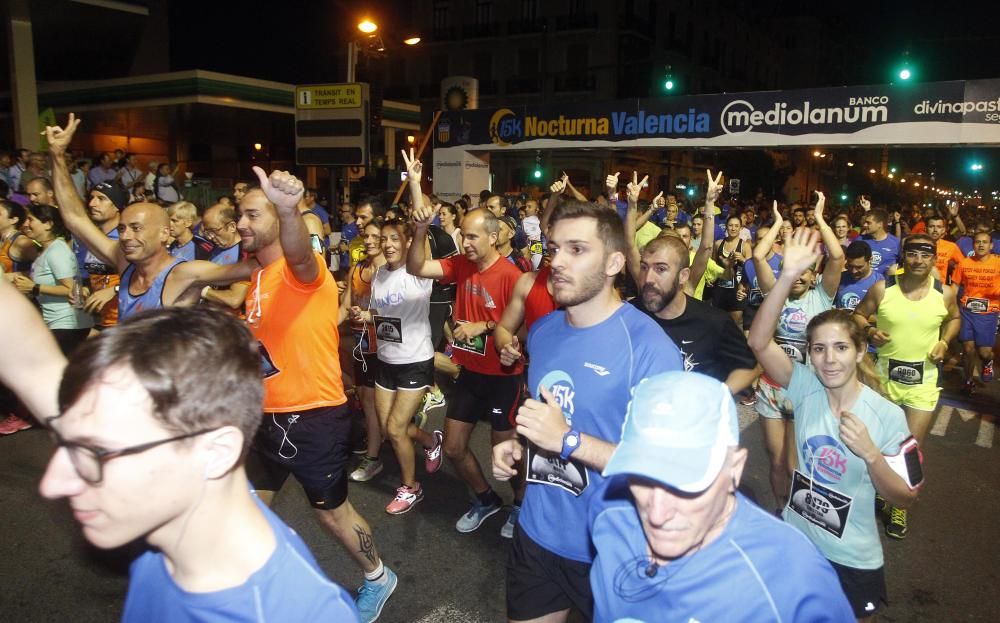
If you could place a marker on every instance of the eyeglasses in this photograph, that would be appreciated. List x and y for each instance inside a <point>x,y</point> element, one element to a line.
<point>215,230</point>
<point>89,462</point>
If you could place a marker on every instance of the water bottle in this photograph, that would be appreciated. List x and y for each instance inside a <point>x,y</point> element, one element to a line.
<point>77,294</point>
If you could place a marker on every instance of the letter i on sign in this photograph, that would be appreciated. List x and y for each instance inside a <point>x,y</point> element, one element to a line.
<point>306,98</point>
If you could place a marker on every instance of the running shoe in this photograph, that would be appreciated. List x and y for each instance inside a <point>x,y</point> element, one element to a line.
<point>471,521</point>
<point>507,531</point>
<point>367,469</point>
<point>896,528</point>
<point>372,596</point>
<point>13,424</point>
<point>968,387</point>
<point>433,399</point>
<point>432,455</point>
<point>406,498</point>
<point>749,400</point>
<point>361,446</point>
<point>987,374</point>
<point>880,504</point>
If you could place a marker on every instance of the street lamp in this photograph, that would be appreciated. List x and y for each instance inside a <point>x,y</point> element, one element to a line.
<point>412,41</point>
<point>367,26</point>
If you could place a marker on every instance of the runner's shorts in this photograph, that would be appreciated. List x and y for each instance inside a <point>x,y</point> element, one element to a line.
<point>415,376</point>
<point>980,328</point>
<point>772,403</point>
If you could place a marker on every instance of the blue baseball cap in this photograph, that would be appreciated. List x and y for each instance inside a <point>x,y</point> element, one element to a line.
<point>677,431</point>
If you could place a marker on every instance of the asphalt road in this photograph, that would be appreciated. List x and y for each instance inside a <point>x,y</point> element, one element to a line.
<point>942,572</point>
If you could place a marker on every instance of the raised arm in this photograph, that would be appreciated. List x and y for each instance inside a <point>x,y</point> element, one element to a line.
<point>572,189</point>
<point>632,256</point>
<point>35,372</point>
<point>417,263</point>
<point>765,275</point>
<point>704,252</point>
<point>71,207</point>
<point>835,257</point>
<point>557,188</point>
<point>801,253</point>
<point>285,190</point>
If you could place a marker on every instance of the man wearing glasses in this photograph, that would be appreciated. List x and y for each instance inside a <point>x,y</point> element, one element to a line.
<point>218,224</point>
<point>916,319</point>
<point>141,453</point>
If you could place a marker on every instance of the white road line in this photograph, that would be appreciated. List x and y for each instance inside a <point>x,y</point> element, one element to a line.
<point>987,428</point>
<point>943,418</point>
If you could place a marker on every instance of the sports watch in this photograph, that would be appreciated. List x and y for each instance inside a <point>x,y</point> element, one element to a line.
<point>571,441</point>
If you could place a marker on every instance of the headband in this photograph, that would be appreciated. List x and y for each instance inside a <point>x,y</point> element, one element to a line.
<point>926,247</point>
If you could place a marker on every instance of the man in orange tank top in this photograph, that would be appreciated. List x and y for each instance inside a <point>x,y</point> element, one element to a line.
<point>292,311</point>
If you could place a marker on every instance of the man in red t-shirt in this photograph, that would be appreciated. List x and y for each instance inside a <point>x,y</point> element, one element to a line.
<point>484,388</point>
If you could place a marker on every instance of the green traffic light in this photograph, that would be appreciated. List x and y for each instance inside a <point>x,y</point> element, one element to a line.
<point>668,85</point>
<point>843,197</point>
<point>905,74</point>
<point>690,192</point>
<point>537,174</point>
<point>975,166</point>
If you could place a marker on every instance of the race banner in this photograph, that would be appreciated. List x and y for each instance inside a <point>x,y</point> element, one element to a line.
<point>939,113</point>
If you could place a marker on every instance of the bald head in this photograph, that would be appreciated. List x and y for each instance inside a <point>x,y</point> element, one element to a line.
<point>151,214</point>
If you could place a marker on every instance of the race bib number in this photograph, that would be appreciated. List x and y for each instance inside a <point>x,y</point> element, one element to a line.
<point>546,468</point>
<point>977,306</point>
<point>819,505</point>
<point>906,372</point>
<point>795,349</point>
<point>536,248</point>
<point>476,345</point>
<point>388,329</point>
<point>756,298</point>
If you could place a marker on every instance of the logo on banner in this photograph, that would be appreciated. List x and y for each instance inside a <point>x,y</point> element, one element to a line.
<point>740,116</point>
<point>505,127</point>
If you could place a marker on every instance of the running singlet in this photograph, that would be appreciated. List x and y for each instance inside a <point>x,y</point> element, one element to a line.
<point>195,249</point>
<point>100,277</point>
<point>947,252</point>
<point>832,499</point>
<point>756,297</point>
<point>152,298</point>
<point>538,302</point>
<point>767,567</point>
<point>914,327</point>
<point>402,322</point>
<point>361,290</point>
<point>720,257</point>
<point>885,252</point>
<point>289,587</point>
<point>591,371</point>
<point>10,265</point>
<point>226,256</point>
<point>851,292</point>
<point>296,325</point>
<point>981,284</point>
<point>481,296</point>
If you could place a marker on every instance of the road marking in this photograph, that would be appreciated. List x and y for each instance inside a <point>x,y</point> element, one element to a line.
<point>987,425</point>
<point>450,612</point>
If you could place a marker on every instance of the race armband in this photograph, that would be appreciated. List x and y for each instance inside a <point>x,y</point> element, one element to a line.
<point>908,463</point>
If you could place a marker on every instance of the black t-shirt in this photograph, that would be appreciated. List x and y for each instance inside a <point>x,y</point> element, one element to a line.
<point>709,340</point>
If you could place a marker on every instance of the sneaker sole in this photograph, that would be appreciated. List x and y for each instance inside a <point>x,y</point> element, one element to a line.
<point>408,508</point>
<point>381,605</point>
<point>373,475</point>
<point>481,520</point>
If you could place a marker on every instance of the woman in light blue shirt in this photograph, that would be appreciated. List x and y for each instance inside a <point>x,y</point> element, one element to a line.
<point>53,274</point>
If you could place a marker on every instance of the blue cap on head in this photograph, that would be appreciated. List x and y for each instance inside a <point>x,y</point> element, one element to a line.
<point>677,431</point>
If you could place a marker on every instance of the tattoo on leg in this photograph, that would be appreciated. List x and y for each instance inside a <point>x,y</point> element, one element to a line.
<point>366,545</point>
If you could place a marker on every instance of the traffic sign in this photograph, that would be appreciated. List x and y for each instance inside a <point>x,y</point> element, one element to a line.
<point>331,124</point>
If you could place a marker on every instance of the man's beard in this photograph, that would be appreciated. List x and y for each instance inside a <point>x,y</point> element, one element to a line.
<point>655,299</point>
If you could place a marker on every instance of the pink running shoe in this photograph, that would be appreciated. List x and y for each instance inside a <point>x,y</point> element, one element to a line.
<point>406,498</point>
<point>432,455</point>
<point>13,424</point>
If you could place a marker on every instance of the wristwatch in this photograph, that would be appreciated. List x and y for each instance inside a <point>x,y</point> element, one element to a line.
<point>490,326</point>
<point>35,290</point>
<point>571,441</point>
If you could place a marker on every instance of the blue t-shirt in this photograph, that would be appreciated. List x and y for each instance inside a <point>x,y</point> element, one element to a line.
<point>227,255</point>
<point>851,292</point>
<point>289,587</point>
<point>757,570</point>
<point>885,253</point>
<point>591,372</point>
<point>54,264</point>
<point>349,232</point>
<point>756,297</point>
<point>965,246</point>
<point>832,497</point>
<point>321,214</point>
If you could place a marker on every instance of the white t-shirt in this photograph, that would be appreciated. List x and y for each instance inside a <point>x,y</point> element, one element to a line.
<point>402,325</point>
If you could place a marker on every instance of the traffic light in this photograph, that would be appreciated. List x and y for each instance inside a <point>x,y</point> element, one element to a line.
<point>690,192</point>
<point>905,73</point>
<point>537,174</point>
<point>843,197</point>
<point>976,167</point>
<point>669,81</point>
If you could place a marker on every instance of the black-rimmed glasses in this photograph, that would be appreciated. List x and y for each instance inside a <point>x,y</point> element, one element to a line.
<point>89,462</point>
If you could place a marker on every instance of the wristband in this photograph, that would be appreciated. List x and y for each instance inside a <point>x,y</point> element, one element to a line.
<point>570,442</point>
<point>36,290</point>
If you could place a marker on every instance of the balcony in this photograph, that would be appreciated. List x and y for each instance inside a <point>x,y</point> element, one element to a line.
<point>517,86</point>
<point>582,21</point>
<point>481,31</point>
<point>444,34</point>
<point>635,24</point>
<point>583,81</point>
<point>525,26</point>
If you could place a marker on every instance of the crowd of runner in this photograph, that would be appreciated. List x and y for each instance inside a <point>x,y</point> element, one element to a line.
<point>605,336</point>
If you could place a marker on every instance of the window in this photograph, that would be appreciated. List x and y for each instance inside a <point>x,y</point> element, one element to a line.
<point>439,13</point>
<point>576,58</point>
<point>484,12</point>
<point>529,10</point>
<point>527,62</point>
<point>577,7</point>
